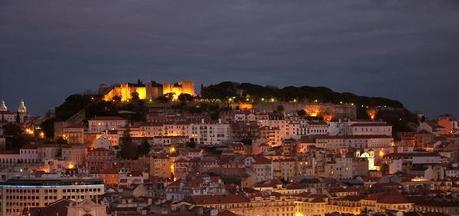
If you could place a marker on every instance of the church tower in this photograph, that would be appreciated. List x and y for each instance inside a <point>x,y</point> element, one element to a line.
<point>22,108</point>
<point>3,107</point>
<point>22,112</point>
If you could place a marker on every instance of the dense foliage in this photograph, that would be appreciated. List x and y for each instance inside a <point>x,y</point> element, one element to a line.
<point>242,91</point>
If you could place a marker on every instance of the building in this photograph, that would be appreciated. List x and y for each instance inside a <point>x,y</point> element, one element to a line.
<point>66,207</point>
<point>106,123</point>
<point>19,194</point>
<point>19,117</point>
<point>75,154</point>
<point>74,134</point>
<point>162,166</point>
<point>284,169</point>
<point>100,159</point>
<point>346,168</point>
<point>195,186</point>
<point>242,205</point>
<point>355,141</point>
<point>261,166</point>
<point>209,133</point>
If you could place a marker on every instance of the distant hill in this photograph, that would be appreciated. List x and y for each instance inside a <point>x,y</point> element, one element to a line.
<point>225,90</point>
<point>391,111</point>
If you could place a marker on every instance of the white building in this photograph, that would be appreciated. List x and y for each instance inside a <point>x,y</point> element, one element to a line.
<point>261,166</point>
<point>356,141</point>
<point>359,128</point>
<point>209,133</point>
<point>106,123</point>
<point>346,168</point>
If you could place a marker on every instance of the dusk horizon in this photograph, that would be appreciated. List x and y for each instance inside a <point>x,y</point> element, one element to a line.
<point>229,108</point>
<point>403,50</point>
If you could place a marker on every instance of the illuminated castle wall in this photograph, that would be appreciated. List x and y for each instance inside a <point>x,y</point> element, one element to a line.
<point>150,90</point>
<point>184,87</point>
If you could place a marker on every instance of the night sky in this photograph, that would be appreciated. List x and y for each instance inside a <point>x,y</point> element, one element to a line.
<point>402,49</point>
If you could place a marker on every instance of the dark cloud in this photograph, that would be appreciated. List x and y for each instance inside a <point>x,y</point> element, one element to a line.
<point>405,50</point>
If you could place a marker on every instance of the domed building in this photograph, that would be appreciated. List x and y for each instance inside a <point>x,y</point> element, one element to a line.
<point>3,107</point>
<point>19,117</point>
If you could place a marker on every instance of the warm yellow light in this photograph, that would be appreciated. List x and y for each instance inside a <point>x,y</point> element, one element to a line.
<point>299,214</point>
<point>29,131</point>
<point>70,165</point>
<point>381,153</point>
<point>173,169</point>
<point>327,117</point>
<point>42,135</point>
<point>245,106</point>
<point>312,110</point>
<point>372,113</point>
<point>141,92</point>
<point>172,150</point>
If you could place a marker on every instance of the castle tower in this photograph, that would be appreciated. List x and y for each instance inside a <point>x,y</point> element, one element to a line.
<point>22,108</point>
<point>148,91</point>
<point>3,107</point>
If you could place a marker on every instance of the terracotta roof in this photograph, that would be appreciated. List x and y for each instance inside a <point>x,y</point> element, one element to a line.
<point>259,159</point>
<point>218,199</point>
<point>392,197</point>
<point>107,118</point>
<point>56,208</point>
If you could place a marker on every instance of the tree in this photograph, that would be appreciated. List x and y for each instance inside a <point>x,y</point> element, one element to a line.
<point>184,97</point>
<point>144,148</point>
<point>301,113</point>
<point>128,149</point>
<point>15,140</point>
<point>191,144</point>
<point>135,96</point>
<point>163,99</point>
<point>61,140</point>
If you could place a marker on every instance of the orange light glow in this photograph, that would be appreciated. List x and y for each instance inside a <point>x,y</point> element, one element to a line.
<point>42,135</point>
<point>70,165</point>
<point>172,150</point>
<point>184,87</point>
<point>124,91</point>
<point>327,117</point>
<point>29,131</point>
<point>245,106</point>
<point>381,153</point>
<point>312,110</point>
<point>372,112</point>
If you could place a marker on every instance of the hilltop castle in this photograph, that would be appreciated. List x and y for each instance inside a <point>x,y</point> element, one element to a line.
<point>147,91</point>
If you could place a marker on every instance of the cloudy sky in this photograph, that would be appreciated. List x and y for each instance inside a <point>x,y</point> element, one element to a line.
<point>402,49</point>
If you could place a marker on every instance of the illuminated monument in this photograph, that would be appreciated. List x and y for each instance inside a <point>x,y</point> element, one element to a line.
<point>148,91</point>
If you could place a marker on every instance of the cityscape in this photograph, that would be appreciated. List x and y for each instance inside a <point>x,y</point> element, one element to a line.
<point>148,148</point>
<point>229,108</point>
